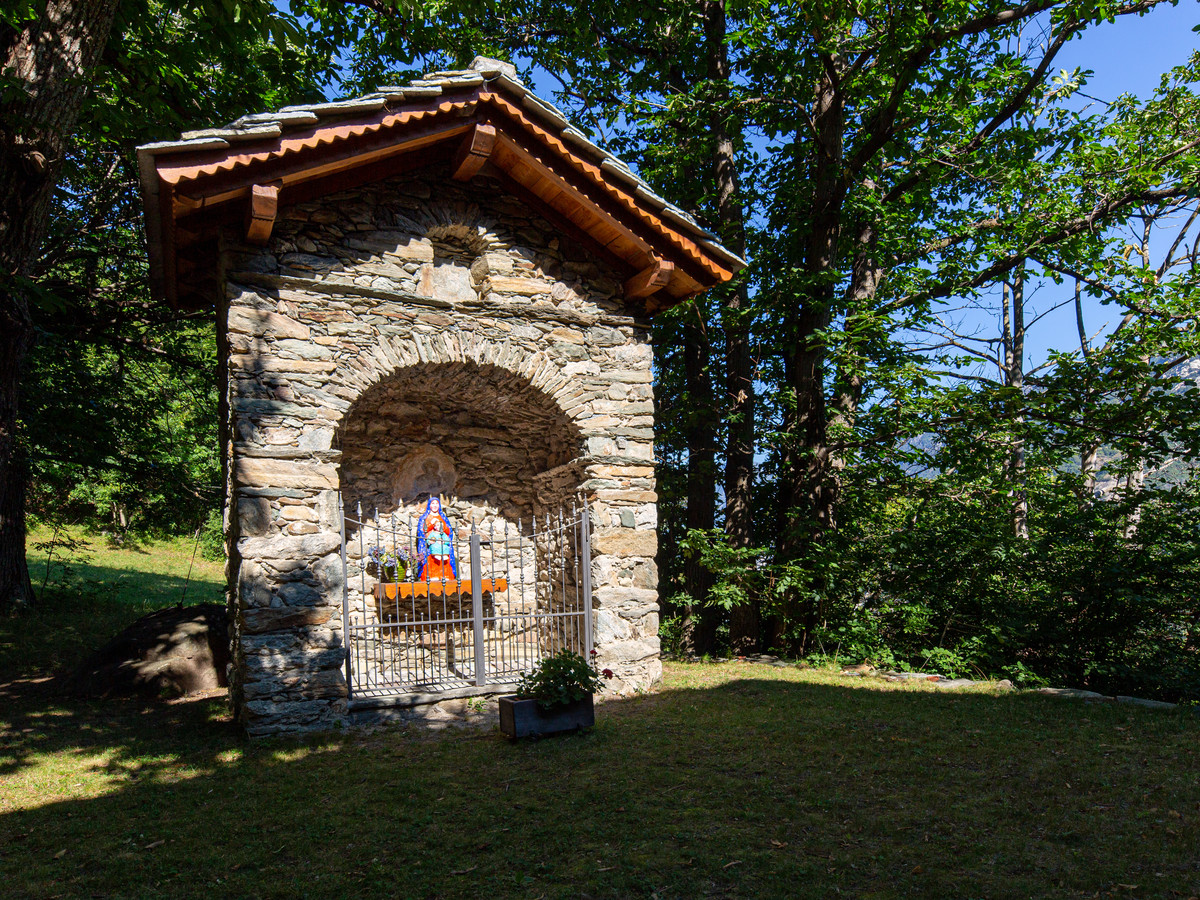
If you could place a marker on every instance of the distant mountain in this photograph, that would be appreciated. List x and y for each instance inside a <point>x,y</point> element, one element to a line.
<point>1175,471</point>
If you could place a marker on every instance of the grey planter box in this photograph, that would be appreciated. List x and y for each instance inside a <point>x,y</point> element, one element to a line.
<point>524,718</point>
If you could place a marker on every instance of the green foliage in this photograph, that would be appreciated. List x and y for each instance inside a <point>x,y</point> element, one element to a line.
<point>212,537</point>
<point>739,578</point>
<point>1079,602</point>
<point>64,550</point>
<point>122,436</point>
<point>560,679</point>
<point>671,630</point>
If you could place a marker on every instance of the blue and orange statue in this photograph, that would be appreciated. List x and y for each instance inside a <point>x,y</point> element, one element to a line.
<point>435,545</point>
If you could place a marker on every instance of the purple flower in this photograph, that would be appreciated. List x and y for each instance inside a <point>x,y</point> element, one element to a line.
<point>389,564</point>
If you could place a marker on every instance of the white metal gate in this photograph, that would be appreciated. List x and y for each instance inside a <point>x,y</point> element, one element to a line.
<point>483,609</point>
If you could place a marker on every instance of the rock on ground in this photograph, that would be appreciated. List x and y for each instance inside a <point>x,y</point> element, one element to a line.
<point>166,653</point>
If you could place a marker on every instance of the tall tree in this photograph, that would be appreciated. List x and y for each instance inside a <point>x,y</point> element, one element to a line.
<point>896,127</point>
<point>730,220</point>
<point>47,52</point>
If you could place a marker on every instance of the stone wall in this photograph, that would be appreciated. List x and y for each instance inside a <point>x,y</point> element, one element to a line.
<point>418,336</point>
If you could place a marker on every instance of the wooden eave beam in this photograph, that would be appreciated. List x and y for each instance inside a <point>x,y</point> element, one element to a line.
<point>260,219</point>
<point>556,191</point>
<point>474,152</point>
<point>552,189</point>
<point>649,280</point>
<point>678,245</point>
<point>569,229</point>
<point>168,244</point>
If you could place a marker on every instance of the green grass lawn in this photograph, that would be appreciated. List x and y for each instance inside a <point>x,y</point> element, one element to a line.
<point>92,592</point>
<point>733,780</point>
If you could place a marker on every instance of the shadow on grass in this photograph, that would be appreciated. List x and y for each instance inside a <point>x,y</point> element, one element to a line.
<point>753,784</point>
<point>133,737</point>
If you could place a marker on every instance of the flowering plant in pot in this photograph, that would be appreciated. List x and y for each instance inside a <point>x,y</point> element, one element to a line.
<point>563,678</point>
<point>556,696</point>
<point>391,565</point>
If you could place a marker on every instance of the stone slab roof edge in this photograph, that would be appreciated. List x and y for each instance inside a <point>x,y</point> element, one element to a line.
<point>484,72</point>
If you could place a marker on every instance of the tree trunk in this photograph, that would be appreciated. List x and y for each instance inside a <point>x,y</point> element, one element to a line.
<point>865,275</point>
<point>1015,377</point>
<point>744,620</point>
<point>1134,482</point>
<point>1088,463</point>
<point>1089,453</point>
<point>49,59</point>
<point>701,480</point>
<point>15,587</point>
<point>808,494</point>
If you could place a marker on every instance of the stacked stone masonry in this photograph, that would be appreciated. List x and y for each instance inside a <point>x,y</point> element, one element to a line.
<point>415,337</point>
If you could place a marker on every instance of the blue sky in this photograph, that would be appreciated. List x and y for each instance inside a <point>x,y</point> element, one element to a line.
<point>1130,55</point>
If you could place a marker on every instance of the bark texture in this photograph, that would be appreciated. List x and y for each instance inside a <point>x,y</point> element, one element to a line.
<point>744,621</point>
<point>807,492</point>
<point>701,482</point>
<point>49,58</point>
<point>1014,377</point>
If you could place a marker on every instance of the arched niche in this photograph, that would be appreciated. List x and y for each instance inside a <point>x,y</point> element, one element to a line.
<point>480,436</point>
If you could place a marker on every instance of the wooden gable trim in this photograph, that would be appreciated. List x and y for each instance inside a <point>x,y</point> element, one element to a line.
<point>555,191</point>
<point>627,202</point>
<point>589,207</point>
<point>570,229</point>
<point>568,189</point>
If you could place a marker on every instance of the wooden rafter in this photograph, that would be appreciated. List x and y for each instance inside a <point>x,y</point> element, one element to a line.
<point>474,152</point>
<point>649,280</point>
<point>264,204</point>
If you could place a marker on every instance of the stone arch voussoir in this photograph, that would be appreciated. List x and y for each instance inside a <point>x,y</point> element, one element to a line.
<point>392,355</point>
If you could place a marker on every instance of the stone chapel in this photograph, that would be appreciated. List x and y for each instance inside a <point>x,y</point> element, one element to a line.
<point>438,290</point>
